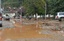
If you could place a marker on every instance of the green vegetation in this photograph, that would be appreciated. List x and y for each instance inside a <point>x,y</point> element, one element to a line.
<point>37,6</point>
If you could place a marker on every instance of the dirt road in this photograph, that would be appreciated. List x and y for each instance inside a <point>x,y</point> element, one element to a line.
<point>21,32</point>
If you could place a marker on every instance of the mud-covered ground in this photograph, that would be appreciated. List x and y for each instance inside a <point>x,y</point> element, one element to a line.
<point>33,30</point>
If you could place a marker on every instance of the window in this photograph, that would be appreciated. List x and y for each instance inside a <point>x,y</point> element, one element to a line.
<point>61,13</point>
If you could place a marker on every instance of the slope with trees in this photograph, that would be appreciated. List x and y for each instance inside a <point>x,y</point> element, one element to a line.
<point>37,6</point>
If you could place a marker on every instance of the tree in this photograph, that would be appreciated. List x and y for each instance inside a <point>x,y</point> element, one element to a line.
<point>55,6</point>
<point>37,6</point>
<point>33,6</point>
<point>10,3</point>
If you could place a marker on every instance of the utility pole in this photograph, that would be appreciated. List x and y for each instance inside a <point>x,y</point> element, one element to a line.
<point>0,5</point>
<point>45,10</point>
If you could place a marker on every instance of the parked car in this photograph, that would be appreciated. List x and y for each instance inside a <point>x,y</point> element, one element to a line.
<point>6,17</point>
<point>0,20</point>
<point>60,16</point>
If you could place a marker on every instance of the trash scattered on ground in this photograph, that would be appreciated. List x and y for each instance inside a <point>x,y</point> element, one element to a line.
<point>8,40</point>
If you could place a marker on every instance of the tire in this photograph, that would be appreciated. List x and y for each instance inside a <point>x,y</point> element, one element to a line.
<point>7,19</point>
<point>0,25</point>
<point>60,19</point>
